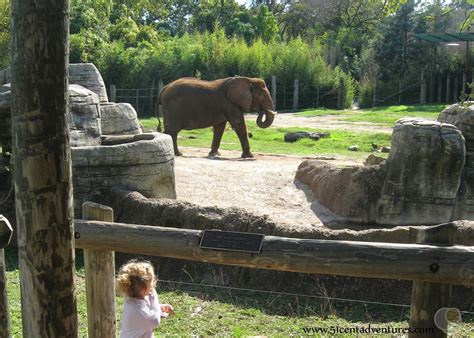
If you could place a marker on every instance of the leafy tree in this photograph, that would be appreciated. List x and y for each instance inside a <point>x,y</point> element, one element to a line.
<point>396,49</point>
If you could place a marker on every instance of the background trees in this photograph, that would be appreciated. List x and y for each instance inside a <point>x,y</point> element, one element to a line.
<point>136,43</point>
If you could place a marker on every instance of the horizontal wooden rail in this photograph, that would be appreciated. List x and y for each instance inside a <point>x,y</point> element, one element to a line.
<point>450,265</point>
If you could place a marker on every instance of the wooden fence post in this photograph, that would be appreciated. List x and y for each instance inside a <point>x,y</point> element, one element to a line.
<point>113,93</point>
<point>274,91</point>
<point>317,97</point>
<point>340,96</point>
<point>448,88</point>
<point>464,82</point>
<point>399,91</point>
<point>374,97</point>
<point>423,88</point>
<point>440,87</point>
<point>5,236</point>
<point>427,298</point>
<point>160,86</point>
<point>295,95</point>
<point>456,89</point>
<point>100,279</point>
<point>432,89</point>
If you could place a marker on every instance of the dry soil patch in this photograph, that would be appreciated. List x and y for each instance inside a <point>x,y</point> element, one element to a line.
<point>263,185</point>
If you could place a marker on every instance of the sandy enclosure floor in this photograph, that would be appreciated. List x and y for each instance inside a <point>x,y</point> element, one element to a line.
<point>263,185</point>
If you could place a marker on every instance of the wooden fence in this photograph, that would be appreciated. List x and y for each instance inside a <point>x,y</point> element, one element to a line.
<point>433,266</point>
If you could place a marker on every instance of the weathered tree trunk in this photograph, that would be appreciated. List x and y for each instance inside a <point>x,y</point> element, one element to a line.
<point>42,163</point>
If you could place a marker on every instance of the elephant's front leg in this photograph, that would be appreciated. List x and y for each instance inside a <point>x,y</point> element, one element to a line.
<point>216,139</point>
<point>241,130</point>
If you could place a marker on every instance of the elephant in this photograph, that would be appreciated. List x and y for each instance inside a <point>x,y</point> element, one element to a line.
<point>190,103</point>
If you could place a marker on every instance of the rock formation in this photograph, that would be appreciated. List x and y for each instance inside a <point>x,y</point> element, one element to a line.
<point>119,119</point>
<point>462,116</point>
<point>144,163</point>
<point>418,184</point>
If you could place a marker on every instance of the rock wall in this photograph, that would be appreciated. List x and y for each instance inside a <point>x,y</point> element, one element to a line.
<point>418,184</point>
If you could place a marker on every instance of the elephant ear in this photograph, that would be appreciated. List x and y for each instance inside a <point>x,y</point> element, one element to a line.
<point>239,91</point>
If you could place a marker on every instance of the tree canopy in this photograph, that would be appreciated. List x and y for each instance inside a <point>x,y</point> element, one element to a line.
<point>134,43</point>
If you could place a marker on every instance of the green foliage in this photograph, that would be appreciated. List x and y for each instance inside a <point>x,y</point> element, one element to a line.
<point>5,35</point>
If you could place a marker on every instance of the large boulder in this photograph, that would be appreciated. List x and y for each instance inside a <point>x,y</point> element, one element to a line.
<point>423,173</point>
<point>119,119</point>
<point>462,116</point>
<point>87,75</point>
<point>418,184</point>
<point>146,166</point>
<point>84,117</point>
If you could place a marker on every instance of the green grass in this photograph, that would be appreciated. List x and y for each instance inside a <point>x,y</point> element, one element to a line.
<point>205,310</point>
<point>271,140</point>
<point>384,115</point>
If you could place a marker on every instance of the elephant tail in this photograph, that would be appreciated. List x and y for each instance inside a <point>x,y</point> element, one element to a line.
<point>158,113</point>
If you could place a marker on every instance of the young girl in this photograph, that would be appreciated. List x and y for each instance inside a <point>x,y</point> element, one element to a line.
<point>141,308</point>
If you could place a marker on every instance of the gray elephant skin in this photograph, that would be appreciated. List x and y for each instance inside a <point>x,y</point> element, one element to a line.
<point>190,103</point>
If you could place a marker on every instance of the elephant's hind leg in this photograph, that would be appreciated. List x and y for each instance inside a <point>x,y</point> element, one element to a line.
<point>216,139</point>
<point>174,137</point>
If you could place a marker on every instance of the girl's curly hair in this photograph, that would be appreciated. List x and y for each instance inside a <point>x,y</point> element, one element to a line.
<point>133,277</point>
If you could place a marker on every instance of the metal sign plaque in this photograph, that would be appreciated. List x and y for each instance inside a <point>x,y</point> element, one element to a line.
<point>231,241</point>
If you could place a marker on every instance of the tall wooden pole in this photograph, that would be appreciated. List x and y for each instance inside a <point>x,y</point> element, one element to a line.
<point>42,167</point>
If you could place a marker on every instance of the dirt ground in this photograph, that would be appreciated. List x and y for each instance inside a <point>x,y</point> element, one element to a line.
<point>263,185</point>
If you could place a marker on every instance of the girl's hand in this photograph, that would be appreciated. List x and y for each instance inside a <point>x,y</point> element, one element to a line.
<point>166,310</point>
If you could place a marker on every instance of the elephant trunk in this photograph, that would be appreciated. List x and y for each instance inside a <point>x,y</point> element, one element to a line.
<point>269,117</point>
